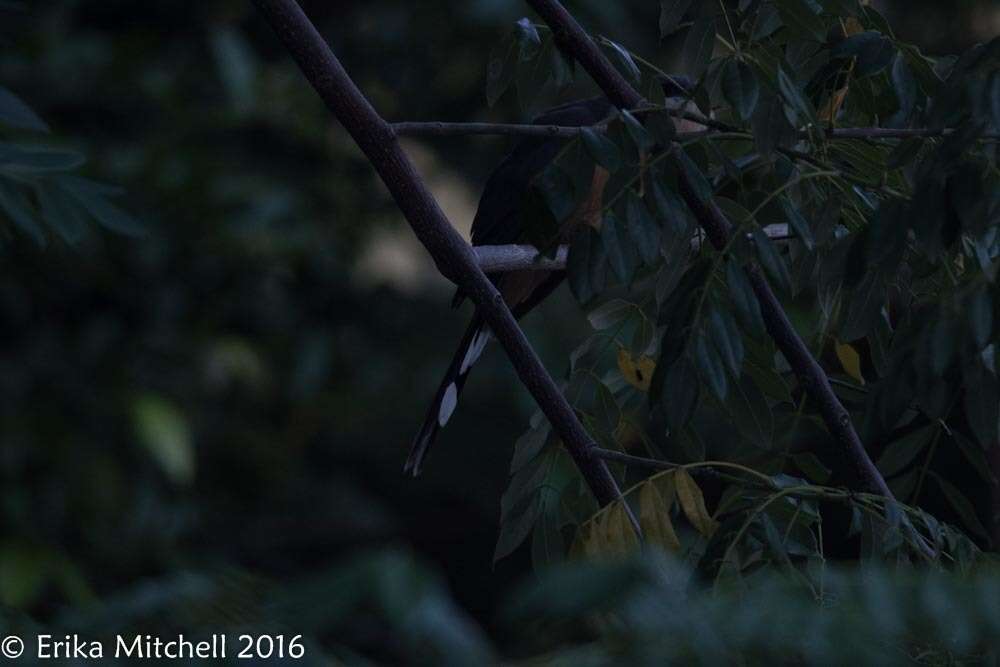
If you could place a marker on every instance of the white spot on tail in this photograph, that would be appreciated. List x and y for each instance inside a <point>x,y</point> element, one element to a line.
<point>448,402</point>
<point>475,350</point>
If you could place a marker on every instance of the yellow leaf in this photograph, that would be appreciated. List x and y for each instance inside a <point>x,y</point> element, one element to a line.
<point>638,373</point>
<point>654,519</point>
<point>829,110</point>
<point>850,360</point>
<point>853,26</point>
<point>620,538</point>
<point>693,503</point>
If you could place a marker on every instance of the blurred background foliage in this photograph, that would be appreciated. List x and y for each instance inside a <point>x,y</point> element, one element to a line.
<point>233,392</point>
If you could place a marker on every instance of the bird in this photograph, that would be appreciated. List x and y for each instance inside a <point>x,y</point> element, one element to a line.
<point>499,221</point>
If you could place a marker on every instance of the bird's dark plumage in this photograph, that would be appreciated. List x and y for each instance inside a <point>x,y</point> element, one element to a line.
<point>498,222</point>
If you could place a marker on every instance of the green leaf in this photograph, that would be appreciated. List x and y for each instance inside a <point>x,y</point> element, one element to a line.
<point>671,209</point>
<point>711,368</point>
<point>104,212</point>
<point>739,85</point>
<point>16,114</point>
<point>679,394</point>
<point>727,339</point>
<point>905,86</point>
<point>671,13</point>
<point>695,177</point>
<point>624,60</point>
<point>582,250</point>
<point>698,46</point>
<point>501,69</point>
<point>962,506</point>
<point>772,262</point>
<point>873,51</point>
<point>638,133</point>
<point>744,299</point>
<point>601,149</point>
<point>18,210</point>
<point>802,17</point>
<point>529,446</point>
<point>799,224</point>
<point>529,42</point>
<point>619,252</point>
<point>980,311</point>
<point>37,160</point>
<point>237,66</point>
<point>610,314</point>
<point>61,213</point>
<point>643,230</point>
<point>163,430</point>
<point>901,453</point>
<point>800,106</point>
<point>982,404</point>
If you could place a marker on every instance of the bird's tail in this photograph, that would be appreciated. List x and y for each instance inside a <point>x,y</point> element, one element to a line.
<point>469,350</point>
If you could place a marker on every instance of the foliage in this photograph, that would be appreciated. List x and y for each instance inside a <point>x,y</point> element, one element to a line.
<point>875,167</point>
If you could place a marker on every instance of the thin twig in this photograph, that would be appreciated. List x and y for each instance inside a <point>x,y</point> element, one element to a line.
<point>453,256</point>
<point>449,129</point>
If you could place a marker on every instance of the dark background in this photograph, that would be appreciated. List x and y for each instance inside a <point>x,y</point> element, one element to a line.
<point>238,389</point>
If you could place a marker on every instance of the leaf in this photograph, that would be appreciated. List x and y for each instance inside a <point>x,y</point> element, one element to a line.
<point>61,214</point>
<point>19,211</point>
<point>850,360</point>
<point>654,519</point>
<point>547,546</point>
<point>693,503</point>
<point>982,404</point>
<point>610,313</point>
<point>802,108</point>
<point>905,86</point>
<point>744,299</point>
<point>104,212</point>
<point>772,261</point>
<point>670,208</point>
<point>962,506</point>
<point>739,85</point>
<point>873,51</point>
<point>619,253</point>
<point>37,160</point>
<point>163,430</point>
<point>18,115</point>
<point>642,229</point>
<point>900,453</point>
<point>679,393</point>
<point>528,447</point>
<point>601,149</point>
<point>711,367</point>
<point>578,263</point>
<point>799,224</point>
<point>695,177</point>
<point>237,66</point>
<point>671,13</point>
<point>727,340</point>
<point>981,316</point>
<point>515,528</point>
<point>698,46</point>
<point>638,372</point>
<point>501,69</point>
<point>528,40</point>
<point>802,17</point>
<point>625,62</point>
<point>619,537</point>
<point>635,130</point>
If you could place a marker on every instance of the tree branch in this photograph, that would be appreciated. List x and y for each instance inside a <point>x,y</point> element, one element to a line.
<point>453,256</point>
<point>503,258</point>
<point>574,41</point>
<point>443,129</point>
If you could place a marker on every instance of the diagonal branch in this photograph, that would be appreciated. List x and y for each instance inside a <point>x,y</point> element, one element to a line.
<point>573,40</point>
<point>453,256</point>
